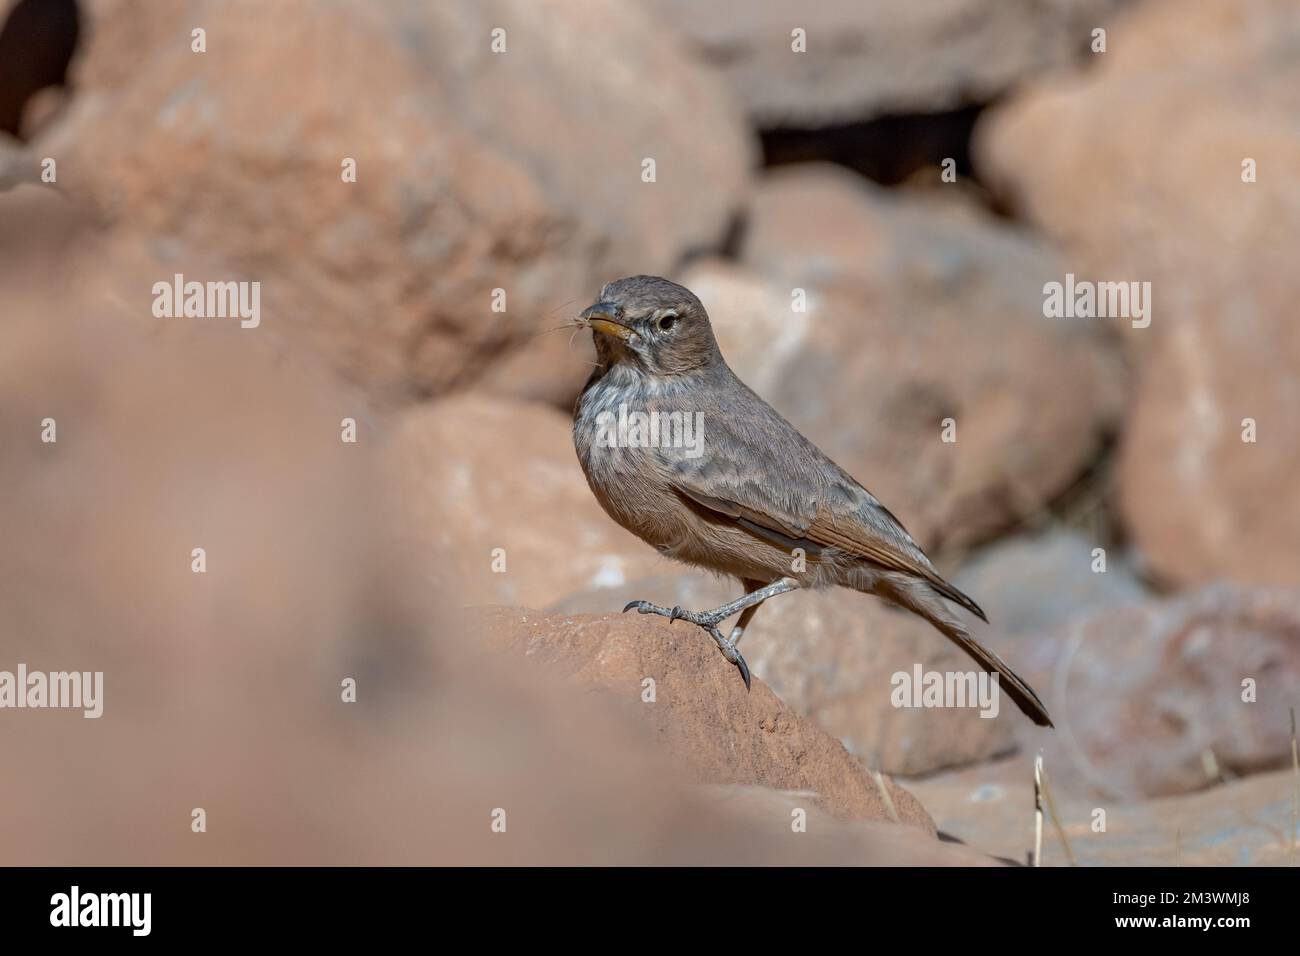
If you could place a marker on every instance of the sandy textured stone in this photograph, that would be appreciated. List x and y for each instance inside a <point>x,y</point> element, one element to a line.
<point>701,710</point>
<point>1137,166</point>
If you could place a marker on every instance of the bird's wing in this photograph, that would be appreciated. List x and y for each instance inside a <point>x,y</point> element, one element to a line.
<point>871,533</point>
<point>875,537</point>
<point>800,498</point>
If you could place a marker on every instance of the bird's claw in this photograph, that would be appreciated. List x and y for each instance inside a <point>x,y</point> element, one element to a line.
<point>707,621</point>
<point>645,607</point>
<point>732,654</point>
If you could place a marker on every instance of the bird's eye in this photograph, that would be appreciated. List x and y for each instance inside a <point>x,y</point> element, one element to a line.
<point>667,322</point>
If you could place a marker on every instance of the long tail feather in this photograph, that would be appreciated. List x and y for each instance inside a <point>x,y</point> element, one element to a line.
<point>917,596</point>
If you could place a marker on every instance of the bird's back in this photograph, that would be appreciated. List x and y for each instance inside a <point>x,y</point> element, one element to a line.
<point>755,456</point>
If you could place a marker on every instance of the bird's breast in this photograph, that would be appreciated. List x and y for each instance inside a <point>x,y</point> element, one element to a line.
<point>624,464</point>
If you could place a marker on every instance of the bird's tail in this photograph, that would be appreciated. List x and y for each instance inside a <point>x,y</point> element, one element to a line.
<point>917,596</point>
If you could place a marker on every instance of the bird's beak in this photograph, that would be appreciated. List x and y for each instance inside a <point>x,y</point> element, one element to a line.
<point>600,318</point>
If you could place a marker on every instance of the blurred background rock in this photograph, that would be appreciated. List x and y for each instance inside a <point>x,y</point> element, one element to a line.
<point>522,171</point>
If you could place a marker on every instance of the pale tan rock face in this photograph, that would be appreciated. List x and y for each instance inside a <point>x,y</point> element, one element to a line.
<point>1137,166</point>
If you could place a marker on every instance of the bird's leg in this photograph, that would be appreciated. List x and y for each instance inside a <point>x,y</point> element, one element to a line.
<point>709,620</point>
<point>748,613</point>
<point>718,614</point>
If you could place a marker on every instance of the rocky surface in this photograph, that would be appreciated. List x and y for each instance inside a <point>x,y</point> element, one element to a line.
<point>865,60</point>
<point>1169,696</point>
<point>856,842</point>
<point>991,807</point>
<point>1202,502</point>
<point>700,712</point>
<point>831,656</point>
<point>1138,196</point>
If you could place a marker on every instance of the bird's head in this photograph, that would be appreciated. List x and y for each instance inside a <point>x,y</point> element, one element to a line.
<point>652,324</point>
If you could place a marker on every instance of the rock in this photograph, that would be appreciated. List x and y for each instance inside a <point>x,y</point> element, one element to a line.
<point>1151,699</point>
<point>1150,183</point>
<point>857,842</point>
<point>701,711</point>
<point>865,61</point>
<point>474,171</point>
<point>1031,585</point>
<point>991,808</point>
<point>478,473</point>
<point>1138,192</point>
<point>831,656</point>
<point>932,311</point>
<point>1203,503</point>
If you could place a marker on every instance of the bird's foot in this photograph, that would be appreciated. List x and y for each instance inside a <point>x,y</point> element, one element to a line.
<point>705,619</point>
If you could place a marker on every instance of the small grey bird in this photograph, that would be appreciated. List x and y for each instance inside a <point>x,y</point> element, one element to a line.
<point>684,455</point>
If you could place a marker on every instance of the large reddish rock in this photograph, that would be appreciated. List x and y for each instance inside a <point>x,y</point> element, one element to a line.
<point>865,60</point>
<point>678,684</point>
<point>1169,696</point>
<point>832,656</point>
<point>476,171</point>
<point>1137,166</point>
<point>925,310</point>
<point>475,474</point>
